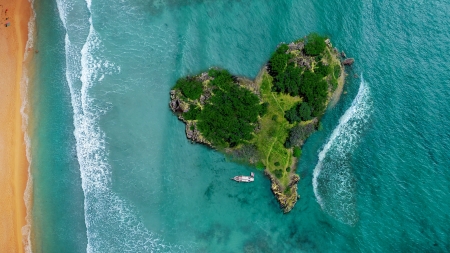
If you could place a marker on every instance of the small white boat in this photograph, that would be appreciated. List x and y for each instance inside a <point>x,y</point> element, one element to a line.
<point>245,179</point>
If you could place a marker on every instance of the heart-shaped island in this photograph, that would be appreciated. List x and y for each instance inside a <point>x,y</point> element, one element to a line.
<point>266,121</point>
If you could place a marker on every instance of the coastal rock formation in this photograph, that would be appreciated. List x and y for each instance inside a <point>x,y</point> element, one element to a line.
<point>348,61</point>
<point>287,197</point>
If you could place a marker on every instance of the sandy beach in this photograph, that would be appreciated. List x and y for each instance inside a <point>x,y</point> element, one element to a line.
<point>13,161</point>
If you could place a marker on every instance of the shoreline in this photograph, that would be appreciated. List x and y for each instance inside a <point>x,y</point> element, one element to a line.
<point>14,230</point>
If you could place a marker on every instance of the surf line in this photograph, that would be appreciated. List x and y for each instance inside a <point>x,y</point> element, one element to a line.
<point>344,137</point>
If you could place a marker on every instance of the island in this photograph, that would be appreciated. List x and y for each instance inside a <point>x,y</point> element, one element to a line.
<point>264,122</point>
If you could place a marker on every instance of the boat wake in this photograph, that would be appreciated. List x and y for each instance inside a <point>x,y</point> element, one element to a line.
<point>333,180</point>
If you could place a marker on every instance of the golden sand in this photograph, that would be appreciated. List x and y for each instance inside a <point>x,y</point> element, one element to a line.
<point>13,161</point>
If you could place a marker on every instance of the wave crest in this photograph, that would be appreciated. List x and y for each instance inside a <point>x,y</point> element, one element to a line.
<point>333,180</point>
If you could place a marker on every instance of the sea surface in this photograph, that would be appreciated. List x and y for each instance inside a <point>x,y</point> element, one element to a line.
<point>113,171</point>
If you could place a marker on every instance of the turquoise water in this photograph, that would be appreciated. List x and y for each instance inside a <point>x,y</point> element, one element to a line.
<point>113,171</point>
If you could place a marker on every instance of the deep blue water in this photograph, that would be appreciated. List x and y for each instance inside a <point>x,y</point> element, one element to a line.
<point>113,171</point>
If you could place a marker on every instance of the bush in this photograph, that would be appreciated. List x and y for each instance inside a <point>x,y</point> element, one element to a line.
<point>278,173</point>
<point>260,166</point>
<point>292,115</point>
<point>190,87</point>
<point>275,117</point>
<point>320,127</point>
<point>277,164</point>
<point>299,112</point>
<point>288,169</point>
<point>315,44</point>
<point>297,152</point>
<point>304,111</point>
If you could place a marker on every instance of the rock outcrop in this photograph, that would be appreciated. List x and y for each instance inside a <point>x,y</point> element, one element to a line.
<point>348,61</point>
<point>286,197</point>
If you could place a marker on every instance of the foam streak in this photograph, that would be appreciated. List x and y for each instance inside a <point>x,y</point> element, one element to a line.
<point>24,111</point>
<point>112,224</point>
<point>333,181</point>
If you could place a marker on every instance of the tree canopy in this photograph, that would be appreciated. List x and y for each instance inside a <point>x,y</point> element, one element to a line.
<point>299,112</point>
<point>315,90</point>
<point>279,60</point>
<point>190,87</point>
<point>315,44</point>
<point>228,118</point>
<point>288,81</point>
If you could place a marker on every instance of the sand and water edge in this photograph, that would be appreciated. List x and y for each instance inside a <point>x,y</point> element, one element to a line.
<point>15,18</point>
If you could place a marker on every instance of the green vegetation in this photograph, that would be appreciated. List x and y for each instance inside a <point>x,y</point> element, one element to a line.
<point>315,44</point>
<point>279,60</point>
<point>299,133</point>
<point>228,118</point>
<point>299,112</point>
<point>297,152</point>
<point>190,87</point>
<point>193,113</point>
<point>272,135</point>
<point>288,81</point>
<point>315,91</point>
<point>278,173</point>
<point>322,69</point>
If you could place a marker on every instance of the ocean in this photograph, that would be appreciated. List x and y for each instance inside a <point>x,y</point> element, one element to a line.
<point>113,171</point>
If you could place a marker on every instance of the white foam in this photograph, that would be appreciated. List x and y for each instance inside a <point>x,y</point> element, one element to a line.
<point>112,223</point>
<point>332,174</point>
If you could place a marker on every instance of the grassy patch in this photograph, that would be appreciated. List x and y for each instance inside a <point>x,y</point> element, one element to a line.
<point>274,131</point>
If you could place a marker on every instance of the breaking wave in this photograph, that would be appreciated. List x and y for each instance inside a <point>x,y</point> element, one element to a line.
<point>112,224</point>
<point>333,180</point>
<point>24,111</point>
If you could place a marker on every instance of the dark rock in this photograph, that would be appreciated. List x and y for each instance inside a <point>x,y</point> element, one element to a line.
<point>175,104</point>
<point>348,61</point>
<point>343,54</point>
<point>287,202</point>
